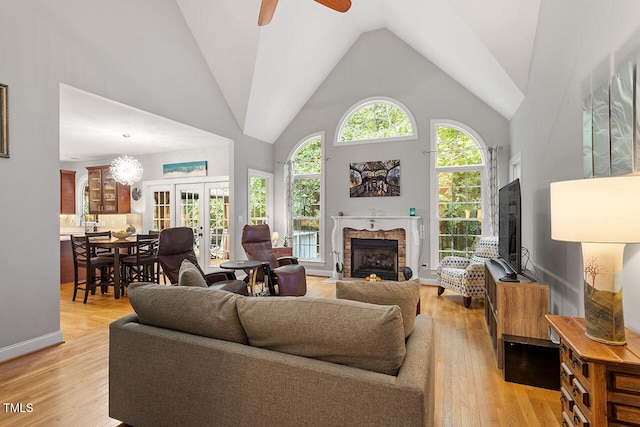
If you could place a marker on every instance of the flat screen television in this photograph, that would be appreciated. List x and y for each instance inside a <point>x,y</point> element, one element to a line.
<point>509,225</point>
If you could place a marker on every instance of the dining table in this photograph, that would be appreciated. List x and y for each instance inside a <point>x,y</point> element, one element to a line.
<point>116,244</point>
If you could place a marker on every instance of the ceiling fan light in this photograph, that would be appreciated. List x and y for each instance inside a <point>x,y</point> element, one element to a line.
<point>126,170</point>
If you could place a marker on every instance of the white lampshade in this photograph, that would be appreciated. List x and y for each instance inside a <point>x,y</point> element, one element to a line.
<point>275,236</point>
<point>597,210</point>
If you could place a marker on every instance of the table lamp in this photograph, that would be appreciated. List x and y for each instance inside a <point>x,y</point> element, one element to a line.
<point>274,237</point>
<point>602,214</point>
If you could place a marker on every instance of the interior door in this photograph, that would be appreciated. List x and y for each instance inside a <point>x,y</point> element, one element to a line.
<point>204,207</point>
<point>191,209</point>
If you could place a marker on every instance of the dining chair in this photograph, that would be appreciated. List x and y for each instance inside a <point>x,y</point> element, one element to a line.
<point>83,258</point>
<point>143,265</point>
<point>100,251</point>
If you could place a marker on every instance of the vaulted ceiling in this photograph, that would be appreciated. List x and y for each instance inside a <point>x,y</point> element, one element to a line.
<point>267,74</point>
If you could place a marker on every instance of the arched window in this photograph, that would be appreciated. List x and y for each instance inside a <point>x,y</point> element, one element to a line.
<point>458,189</point>
<point>306,197</point>
<point>375,120</point>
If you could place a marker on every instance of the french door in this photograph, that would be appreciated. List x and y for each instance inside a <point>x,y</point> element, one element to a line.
<point>201,206</point>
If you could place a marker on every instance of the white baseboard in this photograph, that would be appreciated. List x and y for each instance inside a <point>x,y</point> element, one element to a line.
<point>29,346</point>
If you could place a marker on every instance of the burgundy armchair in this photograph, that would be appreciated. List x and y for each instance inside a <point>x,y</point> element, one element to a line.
<point>284,272</point>
<point>176,244</point>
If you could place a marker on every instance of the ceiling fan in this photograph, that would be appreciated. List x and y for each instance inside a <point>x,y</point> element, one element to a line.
<point>268,7</point>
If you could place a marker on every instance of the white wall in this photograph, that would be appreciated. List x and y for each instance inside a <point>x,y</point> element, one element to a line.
<point>140,53</point>
<point>578,46</point>
<point>380,64</point>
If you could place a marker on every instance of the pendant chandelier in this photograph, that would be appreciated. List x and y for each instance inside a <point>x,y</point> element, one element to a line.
<point>126,169</point>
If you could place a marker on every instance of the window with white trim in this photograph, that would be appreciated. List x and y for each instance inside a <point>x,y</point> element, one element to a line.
<point>260,197</point>
<point>306,199</point>
<point>457,194</point>
<point>375,120</point>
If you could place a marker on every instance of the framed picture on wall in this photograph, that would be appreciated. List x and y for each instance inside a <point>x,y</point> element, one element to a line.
<point>374,179</point>
<point>4,121</point>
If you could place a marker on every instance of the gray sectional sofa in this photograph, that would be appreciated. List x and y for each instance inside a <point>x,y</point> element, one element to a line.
<point>203,357</point>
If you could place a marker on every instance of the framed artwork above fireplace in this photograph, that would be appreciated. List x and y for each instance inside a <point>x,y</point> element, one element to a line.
<point>374,179</point>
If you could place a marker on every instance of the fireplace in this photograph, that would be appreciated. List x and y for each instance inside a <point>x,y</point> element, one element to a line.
<point>404,229</point>
<point>374,256</point>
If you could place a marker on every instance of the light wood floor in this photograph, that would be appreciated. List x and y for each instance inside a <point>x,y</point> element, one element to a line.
<point>68,384</point>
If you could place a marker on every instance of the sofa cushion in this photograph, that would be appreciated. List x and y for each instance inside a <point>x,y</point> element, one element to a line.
<point>403,294</point>
<point>190,275</point>
<point>351,333</point>
<point>200,311</point>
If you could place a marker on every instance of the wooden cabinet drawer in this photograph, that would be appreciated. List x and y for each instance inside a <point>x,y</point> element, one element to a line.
<point>579,420</point>
<point>625,382</point>
<point>566,376</point>
<point>625,414</point>
<point>566,400</point>
<point>578,366</point>
<point>580,393</point>
<point>567,420</point>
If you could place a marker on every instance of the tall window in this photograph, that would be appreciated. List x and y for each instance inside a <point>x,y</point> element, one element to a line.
<point>260,196</point>
<point>306,197</point>
<point>376,119</point>
<point>459,177</point>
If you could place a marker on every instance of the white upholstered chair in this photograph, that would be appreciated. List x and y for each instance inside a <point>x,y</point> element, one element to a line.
<point>466,275</point>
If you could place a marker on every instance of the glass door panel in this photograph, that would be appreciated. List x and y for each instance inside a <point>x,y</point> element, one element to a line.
<point>218,224</point>
<point>109,197</point>
<point>161,210</point>
<point>189,208</point>
<point>95,190</point>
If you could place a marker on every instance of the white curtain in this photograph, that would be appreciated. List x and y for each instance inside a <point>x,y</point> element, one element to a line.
<point>288,198</point>
<point>492,163</point>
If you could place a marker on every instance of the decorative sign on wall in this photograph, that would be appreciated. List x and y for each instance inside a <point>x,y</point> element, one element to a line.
<point>608,128</point>
<point>374,179</point>
<point>184,170</point>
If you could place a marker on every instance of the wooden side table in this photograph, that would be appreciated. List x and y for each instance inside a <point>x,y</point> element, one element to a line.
<point>281,251</point>
<point>600,383</point>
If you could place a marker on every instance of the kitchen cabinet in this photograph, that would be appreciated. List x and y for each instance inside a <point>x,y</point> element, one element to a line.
<point>67,192</point>
<point>106,196</point>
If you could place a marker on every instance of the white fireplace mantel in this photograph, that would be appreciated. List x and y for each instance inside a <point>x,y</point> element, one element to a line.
<point>412,225</point>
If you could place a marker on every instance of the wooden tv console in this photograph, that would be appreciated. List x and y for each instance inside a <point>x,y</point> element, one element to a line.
<point>514,308</point>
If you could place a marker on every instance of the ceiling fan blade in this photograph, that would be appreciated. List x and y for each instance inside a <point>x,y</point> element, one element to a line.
<point>339,5</point>
<point>267,8</point>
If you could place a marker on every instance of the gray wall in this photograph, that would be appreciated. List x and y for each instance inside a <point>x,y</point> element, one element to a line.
<point>140,53</point>
<point>380,64</point>
<point>578,46</point>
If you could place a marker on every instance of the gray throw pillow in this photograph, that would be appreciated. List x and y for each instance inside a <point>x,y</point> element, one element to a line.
<point>351,333</point>
<point>200,311</point>
<point>403,294</point>
<point>189,275</point>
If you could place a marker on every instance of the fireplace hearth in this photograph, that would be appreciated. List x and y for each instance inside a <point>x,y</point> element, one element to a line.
<point>374,256</point>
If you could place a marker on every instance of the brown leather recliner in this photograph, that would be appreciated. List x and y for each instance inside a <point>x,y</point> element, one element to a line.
<point>285,272</point>
<point>176,244</point>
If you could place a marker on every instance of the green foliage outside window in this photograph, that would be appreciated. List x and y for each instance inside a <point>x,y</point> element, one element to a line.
<point>257,200</point>
<point>376,121</point>
<point>456,148</point>
<point>460,167</point>
<point>306,199</point>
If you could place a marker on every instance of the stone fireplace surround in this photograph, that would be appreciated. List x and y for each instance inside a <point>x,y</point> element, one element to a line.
<point>405,229</point>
